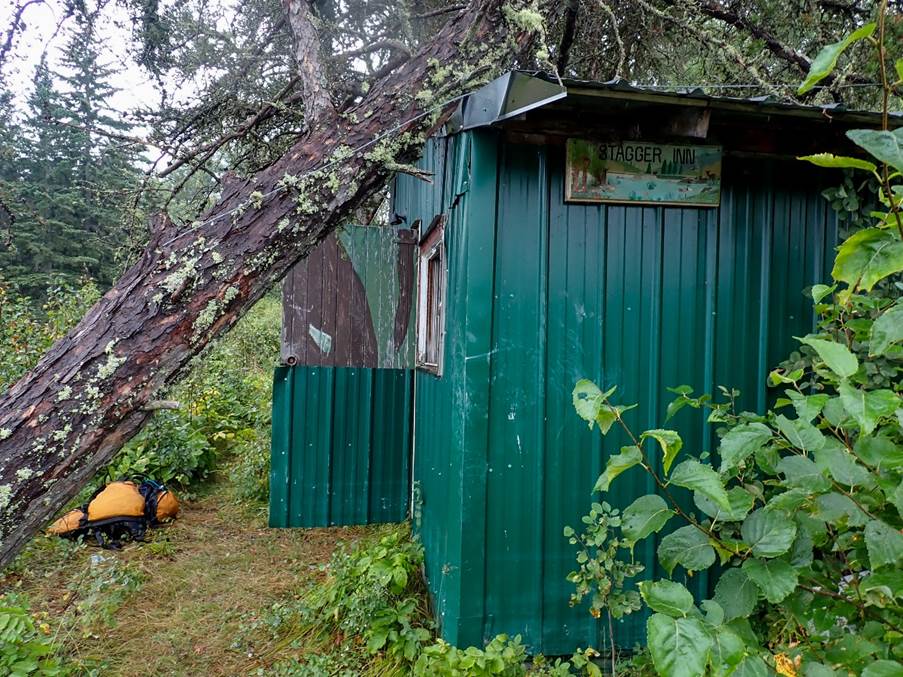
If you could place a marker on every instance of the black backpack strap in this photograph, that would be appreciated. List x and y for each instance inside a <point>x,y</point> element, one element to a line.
<point>151,491</point>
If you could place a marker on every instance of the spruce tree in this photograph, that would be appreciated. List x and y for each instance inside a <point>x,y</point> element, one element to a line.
<point>71,183</point>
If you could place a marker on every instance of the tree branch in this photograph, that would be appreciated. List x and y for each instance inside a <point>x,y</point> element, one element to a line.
<point>388,44</point>
<point>15,26</point>
<point>567,35</point>
<point>439,12</point>
<point>784,52</point>
<point>208,149</point>
<point>723,47</point>
<point>622,56</point>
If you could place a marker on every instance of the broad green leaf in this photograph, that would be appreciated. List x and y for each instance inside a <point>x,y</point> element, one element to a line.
<point>801,552</point>
<point>769,532</point>
<point>884,544</point>
<point>836,355</point>
<point>680,647</point>
<point>886,330</point>
<point>605,419</point>
<point>898,66</point>
<point>629,457</point>
<point>817,670</point>
<point>835,507</point>
<point>801,434</point>
<point>884,586</point>
<point>687,546</point>
<point>879,452</point>
<point>741,502</point>
<point>774,577</point>
<point>699,477</point>
<point>835,414</point>
<point>803,473</point>
<point>377,640</point>
<point>714,614</point>
<point>841,465</point>
<point>682,401</point>
<point>645,516</point>
<point>868,256</point>
<point>807,406</point>
<point>587,399</point>
<point>767,459</point>
<point>840,162</point>
<point>824,63</point>
<point>741,442</point>
<point>820,291</point>
<point>736,594</point>
<point>670,443</point>
<point>883,668</point>
<point>727,650</point>
<point>788,501</point>
<point>751,666</point>
<point>667,597</point>
<point>897,498</point>
<point>884,145</point>
<point>590,403</point>
<point>867,406</point>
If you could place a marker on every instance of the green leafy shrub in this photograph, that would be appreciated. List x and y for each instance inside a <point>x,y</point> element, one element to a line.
<point>250,474</point>
<point>371,599</point>
<point>369,617</point>
<point>368,595</point>
<point>26,646</point>
<point>173,450</point>
<point>502,656</point>
<point>28,328</point>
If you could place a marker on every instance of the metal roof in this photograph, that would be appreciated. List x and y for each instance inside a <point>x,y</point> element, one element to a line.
<point>517,92</point>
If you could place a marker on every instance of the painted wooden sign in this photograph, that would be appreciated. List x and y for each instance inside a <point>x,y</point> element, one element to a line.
<point>644,173</point>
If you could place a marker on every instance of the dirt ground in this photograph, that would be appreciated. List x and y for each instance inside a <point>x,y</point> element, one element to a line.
<point>179,604</point>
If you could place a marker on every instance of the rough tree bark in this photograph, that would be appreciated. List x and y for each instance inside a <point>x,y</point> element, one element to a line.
<point>86,398</point>
<point>317,102</point>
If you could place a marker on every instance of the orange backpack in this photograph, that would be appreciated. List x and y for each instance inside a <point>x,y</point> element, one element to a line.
<point>121,509</point>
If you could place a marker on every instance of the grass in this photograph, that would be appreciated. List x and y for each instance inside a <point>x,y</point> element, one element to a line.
<point>178,604</point>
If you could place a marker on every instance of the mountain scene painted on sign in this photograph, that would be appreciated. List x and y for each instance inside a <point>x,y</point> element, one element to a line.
<point>628,171</point>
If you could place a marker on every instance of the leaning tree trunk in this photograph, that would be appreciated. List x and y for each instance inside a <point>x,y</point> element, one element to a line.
<point>86,398</point>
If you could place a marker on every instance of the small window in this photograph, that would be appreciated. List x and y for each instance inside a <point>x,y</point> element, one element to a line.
<point>431,298</point>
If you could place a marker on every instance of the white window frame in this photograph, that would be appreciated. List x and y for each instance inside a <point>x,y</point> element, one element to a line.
<point>432,250</point>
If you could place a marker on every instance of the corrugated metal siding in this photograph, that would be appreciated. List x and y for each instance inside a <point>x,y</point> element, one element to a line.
<point>341,446</point>
<point>642,297</point>
<point>451,418</point>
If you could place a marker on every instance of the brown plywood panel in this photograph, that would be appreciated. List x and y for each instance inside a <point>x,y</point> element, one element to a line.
<point>350,302</point>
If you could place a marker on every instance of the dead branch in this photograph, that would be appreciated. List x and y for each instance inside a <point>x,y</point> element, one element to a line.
<point>267,111</point>
<point>15,26</point>
<point>391,45</point>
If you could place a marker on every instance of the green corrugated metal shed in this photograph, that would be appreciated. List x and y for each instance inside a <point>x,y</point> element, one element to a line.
<point>342,400</point>
<point>541,293</point>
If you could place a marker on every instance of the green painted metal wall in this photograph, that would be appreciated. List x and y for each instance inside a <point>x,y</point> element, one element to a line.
<point>540,294</point>
<point>341,446</point>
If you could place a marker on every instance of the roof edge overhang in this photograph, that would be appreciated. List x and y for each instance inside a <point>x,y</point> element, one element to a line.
<point>517,92</point>
<point>508,96</point>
